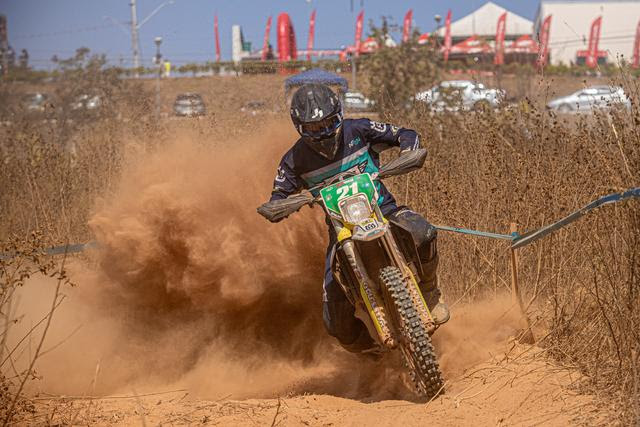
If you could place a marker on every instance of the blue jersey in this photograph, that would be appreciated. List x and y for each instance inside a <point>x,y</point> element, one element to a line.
<point>362,140</point>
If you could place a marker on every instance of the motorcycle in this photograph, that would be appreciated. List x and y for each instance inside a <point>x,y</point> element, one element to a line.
<point>376,264</point>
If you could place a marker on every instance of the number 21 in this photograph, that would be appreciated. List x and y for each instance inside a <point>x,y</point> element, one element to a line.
<point>347,190</point>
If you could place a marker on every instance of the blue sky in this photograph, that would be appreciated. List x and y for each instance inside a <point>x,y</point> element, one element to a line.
<point>57,27</point>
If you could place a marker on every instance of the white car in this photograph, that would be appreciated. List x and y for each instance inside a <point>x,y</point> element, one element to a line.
<point>461,95</point>
<point>591,98</point>
<point>86,102</point>
<point>189,104</point>
<point>356,101</point>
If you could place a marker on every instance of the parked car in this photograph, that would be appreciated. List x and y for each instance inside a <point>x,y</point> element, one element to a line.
<point>356,101</point>
<point>34,102</point>
<point>461,95</point>
<point>189,105</point>
<point>87,102</point>
<point>593,97</point>
<point>254,107</point>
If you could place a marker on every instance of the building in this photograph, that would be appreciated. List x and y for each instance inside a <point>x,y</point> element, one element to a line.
<point>473,36</point>
<point>483,21</point>
<point>240,49</point>
<point>571,26</point>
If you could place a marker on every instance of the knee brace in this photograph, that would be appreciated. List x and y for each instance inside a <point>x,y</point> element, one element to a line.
<point>428,254</point>
<point>425,238</point>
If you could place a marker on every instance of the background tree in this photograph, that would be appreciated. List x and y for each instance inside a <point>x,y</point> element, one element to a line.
<point>395,74</point>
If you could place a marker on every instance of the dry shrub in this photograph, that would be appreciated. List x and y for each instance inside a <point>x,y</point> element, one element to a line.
<point>520,165</point>
<point>395,74</point>
<point>55,162</point>
<point>21,259</point>
<point>533,167</point>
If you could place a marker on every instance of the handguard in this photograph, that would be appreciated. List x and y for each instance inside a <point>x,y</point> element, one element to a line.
<point>406,162</point>
<point>276,210</point>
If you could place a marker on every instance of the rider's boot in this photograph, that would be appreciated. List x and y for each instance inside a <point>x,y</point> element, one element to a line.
<point>430,291</point>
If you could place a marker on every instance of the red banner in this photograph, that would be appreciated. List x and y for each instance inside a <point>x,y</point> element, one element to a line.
<point>447,36</point>
<point>543,38</point>
<point>217,36</point>
<point>406,29</point>
<point>265,45</point>
<point>312,27</point>
<point>472,45</point>
<point>594,39</point>
<point>498,59</point>
<point>636,48</point>
<point>359,23</point>
<point>287,50</point>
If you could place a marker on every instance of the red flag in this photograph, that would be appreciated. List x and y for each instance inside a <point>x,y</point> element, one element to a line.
<point>498,59</point>
<point>215,30</point>
<point>359,23</point>
<point>594,39</point>
<point>543,38</point>
<point>636,48</point>
<point>265,45</point>
<point>406,30</point>
<point>447,36</point>
<point>312,26</point>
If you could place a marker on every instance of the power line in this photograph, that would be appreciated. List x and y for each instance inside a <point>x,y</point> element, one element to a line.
<point>64,32</point>
<point>580,41</point>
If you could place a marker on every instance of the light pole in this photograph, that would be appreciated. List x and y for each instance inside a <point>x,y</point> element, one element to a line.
<point>135,26</point>
<point>158,61</point>
<point>438,19</point>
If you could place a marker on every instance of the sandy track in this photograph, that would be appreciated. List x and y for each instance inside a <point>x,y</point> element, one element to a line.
<point>518,387</point>
<point>171,302</point>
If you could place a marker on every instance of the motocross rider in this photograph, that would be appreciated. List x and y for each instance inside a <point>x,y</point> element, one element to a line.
<point>329,145</point>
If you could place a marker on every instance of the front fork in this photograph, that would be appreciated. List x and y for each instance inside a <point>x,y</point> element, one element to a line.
<point>369,294</point>
<point>408,276</point>
<point>373,297</point>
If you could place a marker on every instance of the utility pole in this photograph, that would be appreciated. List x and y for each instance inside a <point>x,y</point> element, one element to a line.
<point>135,44</point>
<point>4,45</point>
<point>135,26</point>
<point>354,75</point>
<point>158,61</point>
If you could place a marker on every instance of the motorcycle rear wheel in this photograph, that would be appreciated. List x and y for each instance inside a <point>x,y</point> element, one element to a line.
<point>415,343</point>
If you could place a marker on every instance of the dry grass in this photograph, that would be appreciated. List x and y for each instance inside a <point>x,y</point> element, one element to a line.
<point>532,168</point>
<point>581,285</point>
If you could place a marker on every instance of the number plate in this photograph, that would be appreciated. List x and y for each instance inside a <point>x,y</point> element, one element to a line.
<point>369,229</point>
<point>332,194</point>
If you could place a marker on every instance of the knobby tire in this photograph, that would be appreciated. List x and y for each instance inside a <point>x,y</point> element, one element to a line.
<point>416,342</point>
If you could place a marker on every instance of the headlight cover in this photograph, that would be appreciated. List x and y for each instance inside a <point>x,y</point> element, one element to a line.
<point>355,209</point>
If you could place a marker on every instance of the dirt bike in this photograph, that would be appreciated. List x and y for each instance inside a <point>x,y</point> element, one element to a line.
<point>376,264</point>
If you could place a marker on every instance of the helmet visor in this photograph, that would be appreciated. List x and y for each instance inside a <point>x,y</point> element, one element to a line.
<point>321,129</point>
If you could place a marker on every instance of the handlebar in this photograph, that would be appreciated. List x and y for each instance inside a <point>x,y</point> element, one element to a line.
<point>277,210</point>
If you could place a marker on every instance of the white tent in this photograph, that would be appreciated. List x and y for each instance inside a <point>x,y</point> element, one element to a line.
<point>483,22</point>
<point>571,25</point>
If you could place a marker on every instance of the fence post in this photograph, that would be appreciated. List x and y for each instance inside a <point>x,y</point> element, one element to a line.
<point>516,297</point>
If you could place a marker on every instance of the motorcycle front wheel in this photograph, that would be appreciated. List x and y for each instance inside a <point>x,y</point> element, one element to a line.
<point>415,342</point>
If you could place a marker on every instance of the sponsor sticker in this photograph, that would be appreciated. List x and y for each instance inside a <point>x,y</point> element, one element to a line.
<point>354,142</point>
<point>379,127</point>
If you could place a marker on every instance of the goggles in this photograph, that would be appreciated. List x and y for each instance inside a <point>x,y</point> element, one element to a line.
<point>321,129</point>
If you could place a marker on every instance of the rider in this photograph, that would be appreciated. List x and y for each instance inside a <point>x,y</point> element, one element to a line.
<point>330,145</point>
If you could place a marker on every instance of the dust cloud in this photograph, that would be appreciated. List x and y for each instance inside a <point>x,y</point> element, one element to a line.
<point>191,288</point>
<point>191,266</point>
